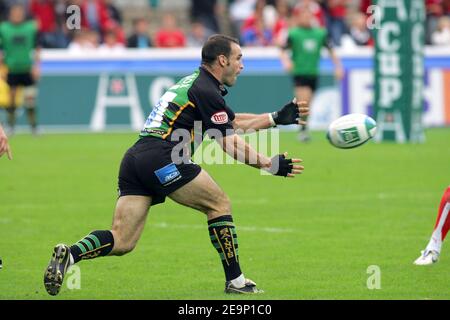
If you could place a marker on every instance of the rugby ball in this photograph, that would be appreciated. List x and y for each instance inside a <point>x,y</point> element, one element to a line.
<point>351,130</point>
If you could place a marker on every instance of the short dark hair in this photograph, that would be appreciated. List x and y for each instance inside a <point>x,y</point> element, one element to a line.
<point>216,45</point>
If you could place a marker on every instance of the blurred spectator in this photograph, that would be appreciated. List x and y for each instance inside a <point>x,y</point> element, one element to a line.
<point>446,6</point>
<point>84,40</point>
<point>140,37</point>
<point>359,34</point>
<point>94,15</point>
<point>281,27</point>
<point>113,26</point>
<point>364,6</point>
<point>3,10</point>
<point>240,10</point>
<point>336,14</point>
<point>63,34</point>
<point>435,10</point>
<point>44,13</point>
<point>205,12</point>
<point>441,36</point>
<point>78,42</point>
<point>113,12</point>
<point>256,30</point>
<point>170,35</point>
<point>313,7</point>
<point>198,35</point>
<point>111,43</point>
<point>51,35</point>
<point>92,39</point>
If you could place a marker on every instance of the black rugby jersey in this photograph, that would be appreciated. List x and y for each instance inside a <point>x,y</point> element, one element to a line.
<point>197,97</point>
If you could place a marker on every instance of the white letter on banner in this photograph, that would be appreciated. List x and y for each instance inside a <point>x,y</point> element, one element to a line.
<point>417,11</point>
<point>398,5</point>
<point>390,90</point>
<point>383,37</point>
<point>417,35</point>
<point>389,64</point>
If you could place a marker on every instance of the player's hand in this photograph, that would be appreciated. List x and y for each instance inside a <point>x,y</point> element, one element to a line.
<point>281,166</point>
<point>36,72</point>
<point>4,145</point>
<point>292,113</point>
<point>288,66</point>
<point>339,73</point>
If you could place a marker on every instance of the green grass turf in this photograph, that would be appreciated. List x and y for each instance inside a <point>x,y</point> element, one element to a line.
<point>312,237</point>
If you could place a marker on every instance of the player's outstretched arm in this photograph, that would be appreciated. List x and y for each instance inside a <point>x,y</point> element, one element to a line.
<point>292,113</point>
<point>4,145</point>
<point>279,165</point>
<point>338,68</point>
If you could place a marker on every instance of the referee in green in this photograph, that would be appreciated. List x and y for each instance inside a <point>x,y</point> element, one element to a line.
<point>20,53</point>
<point>305,43</point>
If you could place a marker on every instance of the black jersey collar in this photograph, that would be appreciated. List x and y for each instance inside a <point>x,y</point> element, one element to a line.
<point>222,89</point>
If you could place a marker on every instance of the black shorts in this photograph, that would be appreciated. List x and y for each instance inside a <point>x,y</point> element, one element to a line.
<point>306,81</point>
<point>20,79</point>
<point>148,170</point>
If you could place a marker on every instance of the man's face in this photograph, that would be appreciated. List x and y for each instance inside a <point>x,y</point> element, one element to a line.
<point>17,15</point>
<point>233,65</point>
<point>142,27</point>
<point>304,18</point>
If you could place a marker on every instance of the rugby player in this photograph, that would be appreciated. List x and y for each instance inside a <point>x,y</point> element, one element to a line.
<point>305,43</point>
<point>18,40</point>
<point>432,252</point>
<point>148,172</point>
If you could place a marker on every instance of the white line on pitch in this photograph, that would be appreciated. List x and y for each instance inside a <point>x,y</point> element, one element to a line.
<point>164,225</point>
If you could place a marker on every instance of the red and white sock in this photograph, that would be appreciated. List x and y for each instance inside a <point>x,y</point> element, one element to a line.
<point>442,223</point>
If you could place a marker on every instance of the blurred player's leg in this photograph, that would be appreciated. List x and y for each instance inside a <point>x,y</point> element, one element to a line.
<point>29,93</point>
<point>12,110</point>
<point>303,93</point>
<point>128,223</point>
<point>431,253</point>
<point>205,195</point>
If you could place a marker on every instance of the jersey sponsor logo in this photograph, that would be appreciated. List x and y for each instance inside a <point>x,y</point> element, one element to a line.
<point>310,45</point>
<point>168,174</point>
<point>220,117</point>
<point>155,131</point>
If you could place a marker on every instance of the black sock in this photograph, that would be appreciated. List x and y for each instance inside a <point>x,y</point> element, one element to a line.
<point>224,238</point>
<point>96,244</point>
<point>31,113</point>
<point>11,116</point>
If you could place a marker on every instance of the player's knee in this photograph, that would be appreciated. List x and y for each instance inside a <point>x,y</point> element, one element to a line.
<point>221,206</point>
<point>123,248</point>
<point>122,245</point>
<point>120,251</point>
<point>30,93</point>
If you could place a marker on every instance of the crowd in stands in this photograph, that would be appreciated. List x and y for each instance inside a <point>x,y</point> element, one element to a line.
<point>254,22</point>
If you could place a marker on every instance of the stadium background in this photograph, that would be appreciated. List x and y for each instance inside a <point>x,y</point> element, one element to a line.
<point>370,206</point>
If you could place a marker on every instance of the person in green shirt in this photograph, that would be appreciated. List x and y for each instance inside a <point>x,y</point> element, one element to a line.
<point>18,41</point>
<point>300,56</point>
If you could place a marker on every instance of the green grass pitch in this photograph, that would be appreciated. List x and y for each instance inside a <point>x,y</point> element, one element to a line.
<point>312,237</point>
